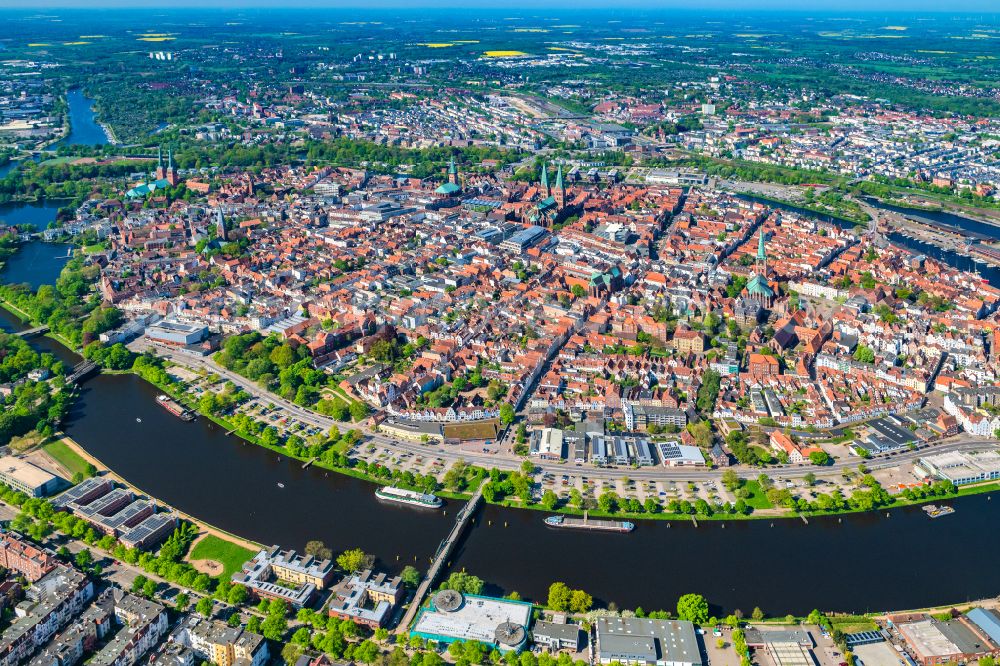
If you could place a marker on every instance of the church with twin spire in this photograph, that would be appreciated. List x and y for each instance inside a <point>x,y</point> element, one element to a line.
<point>165,176</point>
<point>552,206</point>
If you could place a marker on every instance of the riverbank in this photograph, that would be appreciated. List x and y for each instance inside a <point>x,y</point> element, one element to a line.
<point>27,320</point>
<point>758,513</point>
<point>200,524</point>
<point>184,399</point>
<point>807,207</point>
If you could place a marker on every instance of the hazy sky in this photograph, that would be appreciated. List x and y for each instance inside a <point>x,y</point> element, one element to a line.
<point>875,6</point>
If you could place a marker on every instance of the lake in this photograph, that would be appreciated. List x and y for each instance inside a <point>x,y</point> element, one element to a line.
<point>36,263</point>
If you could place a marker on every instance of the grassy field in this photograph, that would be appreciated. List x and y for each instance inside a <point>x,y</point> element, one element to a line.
<point>66,457</point>
<point>852,624</point>
<point>757,499</point>
<point>225,552</point>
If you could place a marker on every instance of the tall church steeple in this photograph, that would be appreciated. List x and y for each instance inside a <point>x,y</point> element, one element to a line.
<point>560,193</point>
<point>220,225</point>
<point>171,174</point>
<point>452,172</point>
<point>545,180</point>
<point>161,171</point>
<point>761,254</point>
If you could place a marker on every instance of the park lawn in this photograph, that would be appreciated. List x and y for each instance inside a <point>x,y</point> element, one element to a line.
<point>854,627</point>
<point>229,554</point>
<point>66,457</point>
<point>978,488</point>
<point>339,392</point>
<point>756,497</point>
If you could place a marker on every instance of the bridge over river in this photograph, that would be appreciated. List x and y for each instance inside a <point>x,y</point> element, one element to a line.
<point>440,559</point>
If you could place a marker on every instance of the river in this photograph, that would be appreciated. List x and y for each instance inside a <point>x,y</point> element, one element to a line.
<point>940,217</point>
<point>36,263</point>
<point>83,126</point>
<point>864,563</point>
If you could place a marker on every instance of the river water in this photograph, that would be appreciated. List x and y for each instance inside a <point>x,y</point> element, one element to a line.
<point>83,127</point>
<point>36,263</point>
<point>859,563</point>
<point>941,217</point>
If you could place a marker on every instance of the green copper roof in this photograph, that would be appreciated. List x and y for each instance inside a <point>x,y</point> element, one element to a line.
<point>761,254</point>
<point>559,178</point>
<point>452,169</point>
<point>545,176</point>
<point>147,188</point>
<point>448,188</point>
<point>546,203</point>
<point>758,286</point>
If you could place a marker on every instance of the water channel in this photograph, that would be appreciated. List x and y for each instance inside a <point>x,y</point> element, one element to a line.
<point>84,130</point>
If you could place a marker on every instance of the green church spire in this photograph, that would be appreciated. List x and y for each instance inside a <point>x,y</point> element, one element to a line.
<point>545,178</point>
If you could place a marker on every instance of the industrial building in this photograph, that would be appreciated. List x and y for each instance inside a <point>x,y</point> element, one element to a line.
<point>176,333</point>
<point>675,454</point>
<point>960,467</point>
<point>547,443</point>
<point>933,642</point>
<point>633,640</point>
<point>28,478</point>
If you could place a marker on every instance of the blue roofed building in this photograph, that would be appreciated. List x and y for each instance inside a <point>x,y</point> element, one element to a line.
<point>987,621</point>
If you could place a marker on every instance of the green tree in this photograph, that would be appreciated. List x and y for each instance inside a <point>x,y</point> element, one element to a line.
<point>354,560</point>
<point>460,581</point>
<point>84,559</point>
<point>237,595</point>
<point>560,597</point>
<point>359,410</point>
<point>205,606</point>
<point>819,458</point>
<point>580,601</point>
<point>864,354</point>
<point>411,576</point>
<point>693,608</point>
<point>366,652</point>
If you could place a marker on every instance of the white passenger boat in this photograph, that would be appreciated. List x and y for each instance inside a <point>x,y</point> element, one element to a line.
<point>403,496</point>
